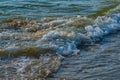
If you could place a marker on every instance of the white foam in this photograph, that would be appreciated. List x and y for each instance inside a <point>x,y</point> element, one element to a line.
<point>67,41</point>
<point>103,26</point>
<point>64,42</point>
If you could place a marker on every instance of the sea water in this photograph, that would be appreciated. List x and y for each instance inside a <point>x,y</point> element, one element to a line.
<point>52,29</point>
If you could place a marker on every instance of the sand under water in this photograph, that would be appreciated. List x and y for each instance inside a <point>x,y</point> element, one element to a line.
<point>34,47</point>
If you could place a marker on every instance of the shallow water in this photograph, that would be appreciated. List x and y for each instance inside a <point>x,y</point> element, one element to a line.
<point>52,29</point>
<point>99,61</point>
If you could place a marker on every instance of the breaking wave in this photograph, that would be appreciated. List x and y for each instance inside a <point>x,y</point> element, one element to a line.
<point>62,38</point>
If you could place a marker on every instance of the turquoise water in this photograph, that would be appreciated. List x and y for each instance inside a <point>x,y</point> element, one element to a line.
<point>37,9</point>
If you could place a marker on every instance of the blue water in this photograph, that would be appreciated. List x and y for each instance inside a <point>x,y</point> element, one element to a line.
<point>37,9</point>
<point>55,28</point>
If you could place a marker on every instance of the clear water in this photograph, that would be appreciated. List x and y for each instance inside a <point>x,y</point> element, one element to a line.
<point>36,34</point>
